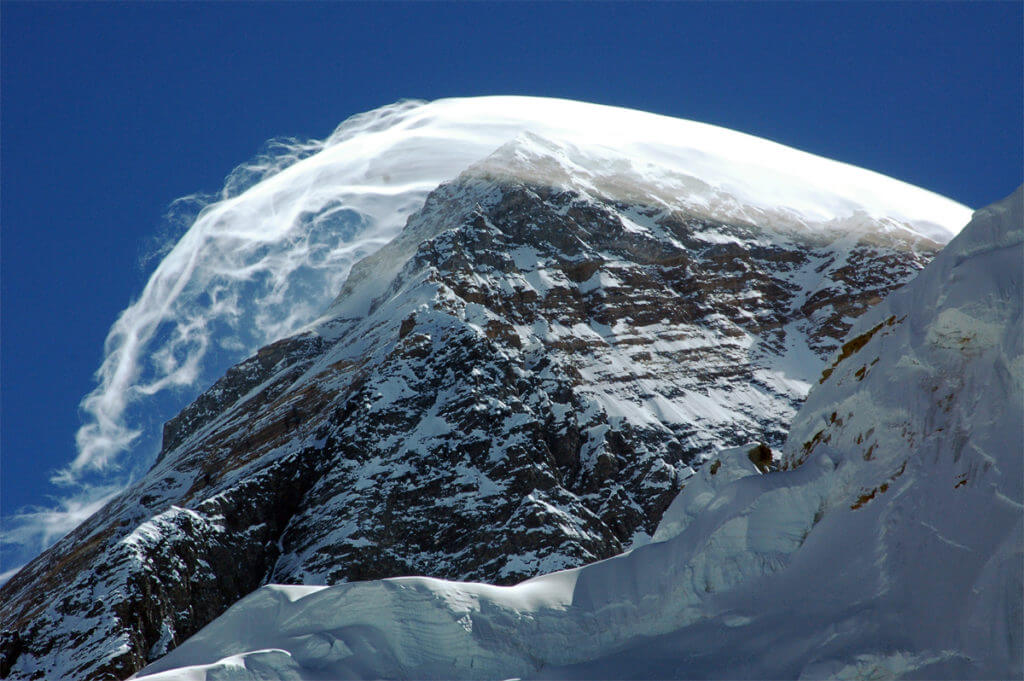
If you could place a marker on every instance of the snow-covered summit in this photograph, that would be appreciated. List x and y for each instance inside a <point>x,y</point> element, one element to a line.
<point>715,163</point>
<point>379,159</point>
<point>266,259</point>
<point>889,546</point>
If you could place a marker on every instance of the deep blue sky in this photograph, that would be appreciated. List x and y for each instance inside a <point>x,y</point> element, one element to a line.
<point>110,111</point>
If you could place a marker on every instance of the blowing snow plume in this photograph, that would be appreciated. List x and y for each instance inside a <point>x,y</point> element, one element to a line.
<point>271,251</point>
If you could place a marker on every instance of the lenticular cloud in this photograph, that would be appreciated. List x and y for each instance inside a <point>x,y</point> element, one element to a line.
<point>266,256</point>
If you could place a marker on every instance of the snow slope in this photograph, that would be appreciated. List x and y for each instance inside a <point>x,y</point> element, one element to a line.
<point>890,544</point>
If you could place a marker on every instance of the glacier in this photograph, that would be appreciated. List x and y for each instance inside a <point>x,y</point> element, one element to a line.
<point>888,545</point>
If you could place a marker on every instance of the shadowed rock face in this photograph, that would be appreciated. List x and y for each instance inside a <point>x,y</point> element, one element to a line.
<point>528,394</point>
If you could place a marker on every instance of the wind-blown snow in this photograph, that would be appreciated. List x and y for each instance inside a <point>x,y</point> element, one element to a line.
<point>889,546</point>
<point>267,257</point>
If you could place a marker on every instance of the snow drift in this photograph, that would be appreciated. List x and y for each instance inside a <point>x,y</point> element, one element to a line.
<point>889,545</point>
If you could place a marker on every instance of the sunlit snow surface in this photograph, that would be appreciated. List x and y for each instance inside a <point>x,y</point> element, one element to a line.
<point>890,546</point>
<point>267,257</point>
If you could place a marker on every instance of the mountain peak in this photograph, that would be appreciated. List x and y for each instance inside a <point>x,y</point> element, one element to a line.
<point>889,546</point>
<point>722,170</point>
<point>582,305</point>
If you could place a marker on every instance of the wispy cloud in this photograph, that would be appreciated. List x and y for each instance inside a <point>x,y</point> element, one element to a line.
<point>237,270</point>
<point>33,529</point>
<point>6,575</point>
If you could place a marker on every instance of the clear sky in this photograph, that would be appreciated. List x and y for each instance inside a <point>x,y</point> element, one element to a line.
<point>110,111</point>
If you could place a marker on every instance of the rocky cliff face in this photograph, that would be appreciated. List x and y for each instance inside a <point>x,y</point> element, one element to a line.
<point>519,383</point>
